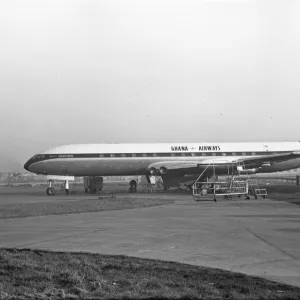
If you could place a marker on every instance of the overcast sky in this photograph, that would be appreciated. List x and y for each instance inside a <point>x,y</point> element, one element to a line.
<point>107,71</point>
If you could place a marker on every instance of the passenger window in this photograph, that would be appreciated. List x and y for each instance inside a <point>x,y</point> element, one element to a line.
<point>154,154</point>
<point>144,154</point>
<point>172,154</point>
<point>203,154</point>
<point>214,154</point>
<point>233,153</point>
<point>193,154</point>
<point>112,155</point>
<point>123,155</point>
<point>224,154</point>
<point>244,153</point>
<point>182,154</point>
<point>133,154</point>
<point>101,155</point>
<point>253,153</point>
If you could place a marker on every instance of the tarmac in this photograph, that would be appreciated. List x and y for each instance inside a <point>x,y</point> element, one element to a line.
<point>255,237</point>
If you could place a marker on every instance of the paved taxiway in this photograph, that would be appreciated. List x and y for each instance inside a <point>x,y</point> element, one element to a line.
<point>257,237</point>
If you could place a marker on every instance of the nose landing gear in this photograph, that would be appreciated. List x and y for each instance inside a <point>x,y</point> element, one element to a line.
<point>50,190</point>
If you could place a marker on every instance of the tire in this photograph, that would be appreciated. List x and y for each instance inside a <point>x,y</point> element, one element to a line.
<point>86,190</point>
<point>132,183</point>
<point>50,191</point>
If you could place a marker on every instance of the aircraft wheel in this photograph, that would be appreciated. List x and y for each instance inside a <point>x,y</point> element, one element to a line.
<point>86,190</point>
<point>264,196</point>
<point>255,197</point>
<point>132,183</point>
<point>50,191</point>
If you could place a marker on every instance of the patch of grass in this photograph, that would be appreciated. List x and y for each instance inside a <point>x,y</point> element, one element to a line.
<point>36,274</point>
<point>284,192</point>
<point>75,207</point>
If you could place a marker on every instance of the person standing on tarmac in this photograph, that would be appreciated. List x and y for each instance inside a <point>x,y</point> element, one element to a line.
<point>67,187</point>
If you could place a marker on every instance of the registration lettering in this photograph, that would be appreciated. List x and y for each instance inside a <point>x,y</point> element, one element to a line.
<point>65,155</point>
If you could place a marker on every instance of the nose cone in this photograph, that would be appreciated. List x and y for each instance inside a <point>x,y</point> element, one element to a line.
<point>27,164</point>
<point>30,162</point>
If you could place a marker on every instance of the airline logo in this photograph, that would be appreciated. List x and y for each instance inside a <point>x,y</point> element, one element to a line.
<point>209,148</point>
<point>179,148</point>
<point>200,148</point>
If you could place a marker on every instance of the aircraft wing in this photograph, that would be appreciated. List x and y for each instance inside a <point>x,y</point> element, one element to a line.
<point>163,166</point>
<point>276,157</point>
<point>174,165</point>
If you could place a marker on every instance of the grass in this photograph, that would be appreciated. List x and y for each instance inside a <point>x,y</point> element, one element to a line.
<point>20,210</point>
<point>284,192</point>
<point>36,274</point>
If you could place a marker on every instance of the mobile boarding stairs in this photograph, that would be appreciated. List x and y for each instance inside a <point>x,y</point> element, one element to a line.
<point>226,188</point>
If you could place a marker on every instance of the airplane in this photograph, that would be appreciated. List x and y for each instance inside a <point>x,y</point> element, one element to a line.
<point>175,162</point>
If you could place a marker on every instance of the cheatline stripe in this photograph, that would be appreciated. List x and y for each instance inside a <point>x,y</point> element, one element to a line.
<point>42,157</point>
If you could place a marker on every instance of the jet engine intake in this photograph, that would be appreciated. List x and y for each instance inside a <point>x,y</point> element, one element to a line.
<point>154,172</point>
<point>163,170</point>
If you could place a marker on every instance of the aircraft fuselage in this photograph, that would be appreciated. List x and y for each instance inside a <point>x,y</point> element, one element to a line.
<point>134,159</point>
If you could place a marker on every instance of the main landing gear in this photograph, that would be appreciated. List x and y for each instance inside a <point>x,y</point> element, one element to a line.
<point>50,190</point>
<point>132,188</point>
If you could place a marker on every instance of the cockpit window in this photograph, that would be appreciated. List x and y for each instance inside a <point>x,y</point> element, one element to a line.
<point>38,157</point>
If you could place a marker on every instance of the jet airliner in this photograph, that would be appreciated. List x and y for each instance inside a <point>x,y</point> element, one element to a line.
<point>174,162</point>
